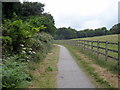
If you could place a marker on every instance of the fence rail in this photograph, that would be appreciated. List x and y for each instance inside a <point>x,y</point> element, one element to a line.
<point>99,47</point>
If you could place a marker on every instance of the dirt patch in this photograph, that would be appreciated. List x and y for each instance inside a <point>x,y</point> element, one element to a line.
<point>104,73</point>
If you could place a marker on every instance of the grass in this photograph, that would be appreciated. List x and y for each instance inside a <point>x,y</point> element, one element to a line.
<point>100,82</point>
<point>109,38</point>
<point>111,64</point>
<point>44,73</point>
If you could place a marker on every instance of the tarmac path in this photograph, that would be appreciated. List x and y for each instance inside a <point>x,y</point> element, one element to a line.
<point>69,73</point>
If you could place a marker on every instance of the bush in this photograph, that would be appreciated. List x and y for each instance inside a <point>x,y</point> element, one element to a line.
<point>18,32</point>
<point>23,42</point>
<point>7,45</point>
<point>14,73</point>
<point>42,44</point>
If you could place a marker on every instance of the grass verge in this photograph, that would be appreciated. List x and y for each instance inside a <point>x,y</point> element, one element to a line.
<point>44,73</point>
<point>100,81</point>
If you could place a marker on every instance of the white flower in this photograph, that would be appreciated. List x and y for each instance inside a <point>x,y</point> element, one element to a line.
<point>23,52</point>
<point>27,57</point>
<point>21,45</point>
<point>34,52</point>
<point>24,48</point>
<point>28,60</point>
<point>30,48</point>
<point>29,51</point>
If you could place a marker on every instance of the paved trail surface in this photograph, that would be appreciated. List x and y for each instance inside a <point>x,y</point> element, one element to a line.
<point>69,73</point>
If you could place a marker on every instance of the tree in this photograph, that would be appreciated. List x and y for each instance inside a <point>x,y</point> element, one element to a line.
<point>115,29</point>
<point>32,12</point>
<point>65,33</point>
<point>22,10</point>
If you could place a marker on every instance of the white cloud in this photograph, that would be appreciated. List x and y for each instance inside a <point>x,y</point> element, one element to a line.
<point>81,14</point>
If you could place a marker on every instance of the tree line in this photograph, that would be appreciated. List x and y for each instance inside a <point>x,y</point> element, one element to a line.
<point>69,33</point>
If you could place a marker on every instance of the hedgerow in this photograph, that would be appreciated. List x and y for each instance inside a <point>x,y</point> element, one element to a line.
<point>23,42</point>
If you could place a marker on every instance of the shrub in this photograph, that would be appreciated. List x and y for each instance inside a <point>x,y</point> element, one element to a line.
<point>23,42</point>
<point>18,32</point>
<point>14,73</point>
<point>42,44</point>
<point>6,45</point>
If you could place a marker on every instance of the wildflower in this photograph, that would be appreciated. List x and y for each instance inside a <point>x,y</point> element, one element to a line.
<point>24,48</point>
<point>23,52</point>
<point>27,57</point>
<point>34,52</point>
<point>28,60</point>
<point>30,48</point>
<point>30,52</point>
<point>21,45</point>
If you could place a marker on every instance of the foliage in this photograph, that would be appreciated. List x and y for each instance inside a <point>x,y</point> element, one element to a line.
<point>20,32</point>
<point>66,33</point>
<point>91,33</point>
<point>14,68</point>
<point>30,12</point>
<point>16,33</point>
<point>22,10</point>
<point>14,73</point>
<point>45,21</point>
<point>49,69</point>
<point>115,29</point>
<point>42,44</point>
<point>7,45</point>
<point>24,41</point>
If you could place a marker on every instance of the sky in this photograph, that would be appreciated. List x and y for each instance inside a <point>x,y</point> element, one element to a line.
<point>82,14</point>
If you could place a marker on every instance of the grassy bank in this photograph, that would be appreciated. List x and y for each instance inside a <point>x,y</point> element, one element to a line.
<point>100,75</point>
<point>44,73</point>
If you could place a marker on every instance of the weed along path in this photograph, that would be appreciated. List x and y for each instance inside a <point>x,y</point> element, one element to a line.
<point>69,73</point>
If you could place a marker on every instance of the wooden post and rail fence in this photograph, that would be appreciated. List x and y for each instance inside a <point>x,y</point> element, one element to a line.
<point>99,47</point>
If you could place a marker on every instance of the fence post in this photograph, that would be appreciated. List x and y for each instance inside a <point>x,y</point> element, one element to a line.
<point>97,49</point>
<point>77,43</point>
<point>92,46</point>
<point>88,44</point>
<point>106,51</point>
<point>80,43</point>
<point>84,44</point>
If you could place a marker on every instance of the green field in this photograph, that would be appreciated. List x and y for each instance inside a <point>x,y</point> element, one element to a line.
<point>110,38</point>
<point>111,63</point>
